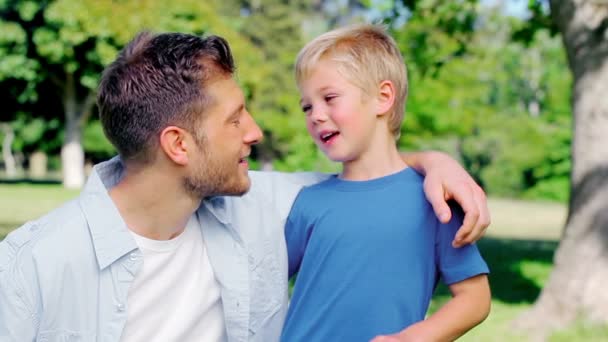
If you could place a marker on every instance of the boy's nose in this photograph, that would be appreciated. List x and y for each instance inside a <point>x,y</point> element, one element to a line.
<point>318,116</point>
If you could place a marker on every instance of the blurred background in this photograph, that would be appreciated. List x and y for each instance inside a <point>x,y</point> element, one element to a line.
<point>491,83</point>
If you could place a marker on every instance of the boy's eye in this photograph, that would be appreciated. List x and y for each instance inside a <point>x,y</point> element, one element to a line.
<point>306,108</point>
<point>328,98</point>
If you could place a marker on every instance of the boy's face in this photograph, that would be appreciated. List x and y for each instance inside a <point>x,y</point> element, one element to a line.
<point>339,117</point>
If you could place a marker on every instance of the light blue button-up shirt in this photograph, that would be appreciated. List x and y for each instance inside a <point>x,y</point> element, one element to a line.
<point>66,276</point>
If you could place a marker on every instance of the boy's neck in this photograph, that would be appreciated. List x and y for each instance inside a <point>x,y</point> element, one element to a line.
<point>374,164</point>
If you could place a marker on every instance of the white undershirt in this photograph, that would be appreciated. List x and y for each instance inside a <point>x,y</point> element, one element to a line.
<point>175,296</point>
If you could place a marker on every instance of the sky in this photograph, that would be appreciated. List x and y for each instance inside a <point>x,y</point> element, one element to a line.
<point>516,8</point>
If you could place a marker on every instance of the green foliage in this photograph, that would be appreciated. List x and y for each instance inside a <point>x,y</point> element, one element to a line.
<point>95,142</point>
<point>274,27</point>
<point>46,44</point>
<point>34,134</point>
<point>501,106</point>
<point>435,32</point>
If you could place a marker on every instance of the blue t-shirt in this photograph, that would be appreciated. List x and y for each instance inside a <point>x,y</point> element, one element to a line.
<point>368,255</point>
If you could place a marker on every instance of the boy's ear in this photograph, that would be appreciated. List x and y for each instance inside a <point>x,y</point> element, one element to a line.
<point>175,144</point>
<point>386,97</point>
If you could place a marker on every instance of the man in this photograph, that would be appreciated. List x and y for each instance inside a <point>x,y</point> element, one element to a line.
<point>150,251</point>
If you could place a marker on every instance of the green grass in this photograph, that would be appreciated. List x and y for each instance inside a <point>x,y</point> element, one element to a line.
<point>519,249</point>
<point>518,270</point>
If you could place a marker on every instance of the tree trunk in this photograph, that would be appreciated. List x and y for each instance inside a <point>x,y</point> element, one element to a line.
<point>577,285</point>
<point>76,115</point>
<point>7,154</point>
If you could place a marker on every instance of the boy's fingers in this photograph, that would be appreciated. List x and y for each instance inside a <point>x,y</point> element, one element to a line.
<point>475,228</point>
<point>471,210</point>
<point>436,196</point>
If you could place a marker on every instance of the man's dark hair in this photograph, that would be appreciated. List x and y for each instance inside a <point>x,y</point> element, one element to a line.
<point>157,81</point>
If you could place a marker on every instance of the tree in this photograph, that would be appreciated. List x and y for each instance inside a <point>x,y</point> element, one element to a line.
<point>275,28</point>
<point>576,287</point>
<point>63,45</point>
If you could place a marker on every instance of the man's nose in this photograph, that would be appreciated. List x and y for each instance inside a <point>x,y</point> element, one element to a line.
<point>254,134</point>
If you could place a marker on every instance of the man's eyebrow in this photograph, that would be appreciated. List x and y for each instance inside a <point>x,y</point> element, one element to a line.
<point>236,113</point>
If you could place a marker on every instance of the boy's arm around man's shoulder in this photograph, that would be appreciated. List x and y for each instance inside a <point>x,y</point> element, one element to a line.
<point>17,310</point>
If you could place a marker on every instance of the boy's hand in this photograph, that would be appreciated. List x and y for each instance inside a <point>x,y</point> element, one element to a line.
<point>400,337</point>
<point>444,180</point>
<point>386,338</point>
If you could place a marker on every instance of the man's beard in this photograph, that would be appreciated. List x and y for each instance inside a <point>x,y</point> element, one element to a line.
<point>215,177</point>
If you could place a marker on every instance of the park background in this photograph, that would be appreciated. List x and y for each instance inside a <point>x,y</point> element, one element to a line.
<point>512,89</point>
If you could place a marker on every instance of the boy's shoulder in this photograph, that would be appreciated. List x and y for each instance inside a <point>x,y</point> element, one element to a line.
<point>325,184</point>
<point>405,177</point>
<point>404,187</point>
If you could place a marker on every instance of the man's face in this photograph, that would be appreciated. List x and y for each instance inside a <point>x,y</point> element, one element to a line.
<point>227,133</point>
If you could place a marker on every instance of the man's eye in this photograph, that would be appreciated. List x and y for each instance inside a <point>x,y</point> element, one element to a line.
<point>328,98</point>
<point>236,122</point>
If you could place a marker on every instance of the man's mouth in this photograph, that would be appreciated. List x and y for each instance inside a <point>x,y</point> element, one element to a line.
<point>244,159</point>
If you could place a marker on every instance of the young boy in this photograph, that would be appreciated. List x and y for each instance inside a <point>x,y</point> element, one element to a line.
<point>364,268</point>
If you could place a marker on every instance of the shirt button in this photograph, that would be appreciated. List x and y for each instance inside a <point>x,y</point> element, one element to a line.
<point>120,307</point>
<point>133,256</point>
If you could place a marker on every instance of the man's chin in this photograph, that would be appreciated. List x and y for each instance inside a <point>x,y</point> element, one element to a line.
<point>239,190</point>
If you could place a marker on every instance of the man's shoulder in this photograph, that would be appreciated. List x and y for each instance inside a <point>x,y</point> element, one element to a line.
<point>267,181</point>
<point>274,191</point>
<point>51,234</point>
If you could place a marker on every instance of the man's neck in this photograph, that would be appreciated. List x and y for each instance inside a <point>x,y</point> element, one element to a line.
<point>153,206</point>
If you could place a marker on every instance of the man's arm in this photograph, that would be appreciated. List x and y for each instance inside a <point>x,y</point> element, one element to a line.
<point>445,179</point>
<point>16,317</point>
<point>469,306</point>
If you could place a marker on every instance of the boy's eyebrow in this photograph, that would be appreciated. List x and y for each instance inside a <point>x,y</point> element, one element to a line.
<point>322,89</point>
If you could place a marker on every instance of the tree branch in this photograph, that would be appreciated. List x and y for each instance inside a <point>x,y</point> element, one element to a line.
<point>87,107</point>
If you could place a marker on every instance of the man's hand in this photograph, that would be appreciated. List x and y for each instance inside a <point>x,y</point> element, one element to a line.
<point>444,180</point>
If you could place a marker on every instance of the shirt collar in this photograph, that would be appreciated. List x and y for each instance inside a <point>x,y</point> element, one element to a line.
<point>109,232</point>
<point>218,206</point>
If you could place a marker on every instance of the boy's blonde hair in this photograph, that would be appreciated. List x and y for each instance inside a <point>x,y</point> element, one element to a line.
<point>366,56</point>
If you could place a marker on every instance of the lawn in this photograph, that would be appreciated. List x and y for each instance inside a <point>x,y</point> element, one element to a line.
<point>519,249</point>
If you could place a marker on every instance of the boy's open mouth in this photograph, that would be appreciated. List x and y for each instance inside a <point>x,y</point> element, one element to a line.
<point>327,136</point>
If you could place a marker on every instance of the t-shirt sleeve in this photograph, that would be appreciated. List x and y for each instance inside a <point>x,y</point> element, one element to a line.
<point>297,233</point>
<point>280,188</point>
<point>456,264</point>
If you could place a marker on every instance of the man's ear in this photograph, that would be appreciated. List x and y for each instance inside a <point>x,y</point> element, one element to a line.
<point>385,97</point>
<point>175,143</point>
